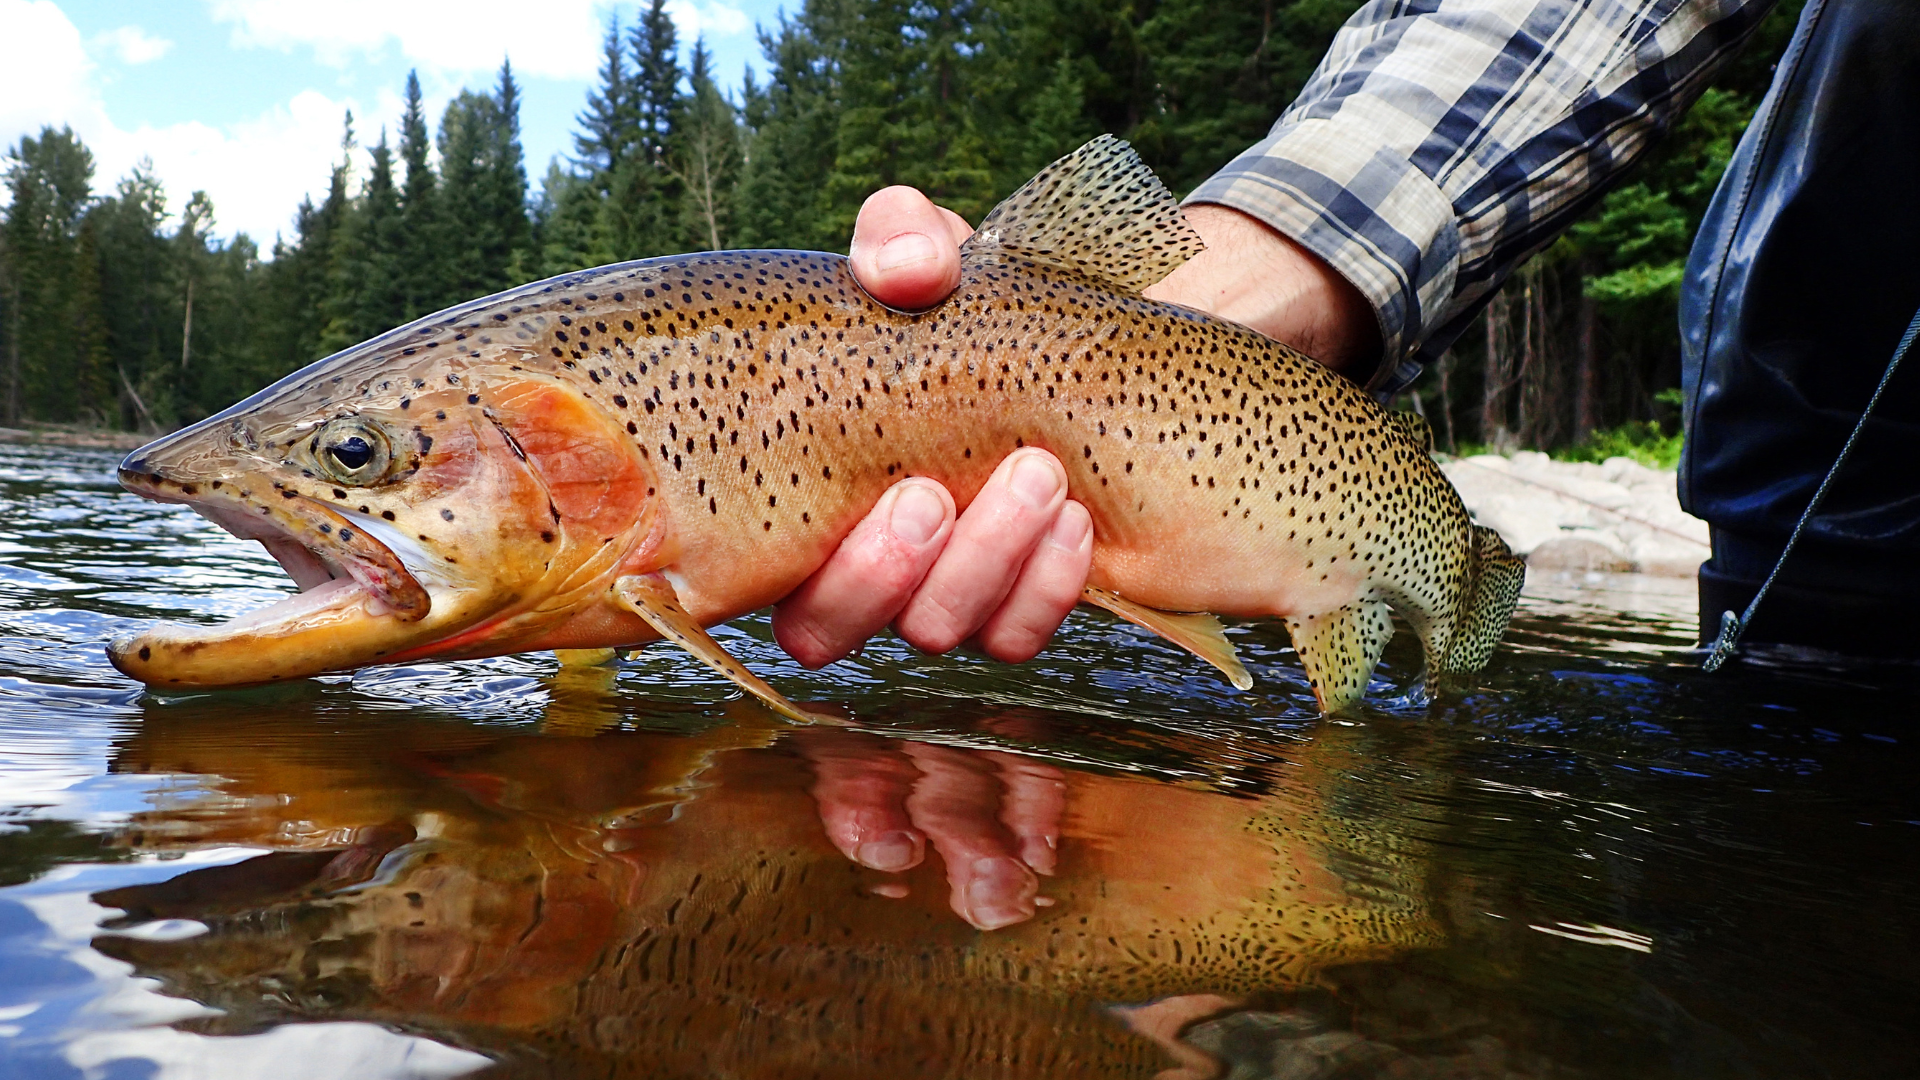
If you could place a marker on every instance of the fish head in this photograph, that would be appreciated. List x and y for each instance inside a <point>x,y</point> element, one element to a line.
<point>451,507</point>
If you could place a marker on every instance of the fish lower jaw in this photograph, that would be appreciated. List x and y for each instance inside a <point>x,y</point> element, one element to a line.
<point>323,628</point>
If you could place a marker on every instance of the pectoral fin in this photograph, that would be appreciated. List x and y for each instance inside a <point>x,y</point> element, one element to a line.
<point>651,597</point>
<point>1339,649</point>
<point>1200,634</point>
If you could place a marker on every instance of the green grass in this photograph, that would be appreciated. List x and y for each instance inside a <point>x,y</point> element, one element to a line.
<point>1645,442</point>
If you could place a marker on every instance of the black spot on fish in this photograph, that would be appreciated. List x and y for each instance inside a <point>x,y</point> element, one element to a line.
<point>446,515</point>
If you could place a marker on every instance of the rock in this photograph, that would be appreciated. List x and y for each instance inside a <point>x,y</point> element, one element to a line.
<point>1580,554</point>
<point>1581,517</point>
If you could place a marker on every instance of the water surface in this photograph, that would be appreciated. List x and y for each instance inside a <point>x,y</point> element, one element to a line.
<point>1593,862</point>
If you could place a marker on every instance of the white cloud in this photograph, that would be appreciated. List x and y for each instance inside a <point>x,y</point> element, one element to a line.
<point>709,20</point>
<point>255,170</point>
<point>458,36</point>
<point>47,77</point>
<point>558,40</point>
<point>132,45</point>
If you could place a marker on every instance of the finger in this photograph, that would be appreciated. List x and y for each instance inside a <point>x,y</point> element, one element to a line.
<point>1004,525</point>
<point>957,228</point>
<point>1048,587</point>
<point>870,578</point>
<point>861,786</point>
<point>956,804</point>
<point>1031,808</point>
<point>905,250</point>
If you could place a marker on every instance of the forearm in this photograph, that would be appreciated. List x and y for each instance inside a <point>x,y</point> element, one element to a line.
<point>1440,143</point>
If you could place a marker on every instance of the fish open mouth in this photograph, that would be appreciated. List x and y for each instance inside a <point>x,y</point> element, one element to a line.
<point>356,596</point>
<point>327,554</point>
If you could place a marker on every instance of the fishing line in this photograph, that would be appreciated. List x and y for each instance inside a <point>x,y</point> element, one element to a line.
<point>1731,625</point>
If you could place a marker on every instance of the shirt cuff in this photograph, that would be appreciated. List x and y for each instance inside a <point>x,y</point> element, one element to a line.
<point>1374,217</point>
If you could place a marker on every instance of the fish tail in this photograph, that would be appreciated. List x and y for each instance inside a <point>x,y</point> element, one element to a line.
<point>1494,577</point>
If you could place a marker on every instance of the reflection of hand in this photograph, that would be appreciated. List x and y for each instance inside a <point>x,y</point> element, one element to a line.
<point>993,817</point>
<point>1007,571</point>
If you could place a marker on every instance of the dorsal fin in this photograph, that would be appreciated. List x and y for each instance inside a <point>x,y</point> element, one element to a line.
<point>1416,428</point>
<point>1099,211</point>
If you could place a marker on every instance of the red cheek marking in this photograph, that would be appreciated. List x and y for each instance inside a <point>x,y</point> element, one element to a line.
<point>591,473</point>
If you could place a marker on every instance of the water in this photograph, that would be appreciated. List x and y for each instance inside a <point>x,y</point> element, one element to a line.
<point>1593,863</point>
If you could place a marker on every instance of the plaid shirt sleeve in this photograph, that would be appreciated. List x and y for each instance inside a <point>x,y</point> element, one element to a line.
<point>1441,142</point>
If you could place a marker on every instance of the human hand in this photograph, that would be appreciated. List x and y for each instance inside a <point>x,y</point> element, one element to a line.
<point>899,562</point>
<point>1005,573</point>
<point>994,818</point>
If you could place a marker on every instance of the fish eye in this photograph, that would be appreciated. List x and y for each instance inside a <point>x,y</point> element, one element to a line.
<point>352,450</point>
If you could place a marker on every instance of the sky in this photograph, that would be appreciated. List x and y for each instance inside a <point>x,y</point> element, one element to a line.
<point>244,99</point>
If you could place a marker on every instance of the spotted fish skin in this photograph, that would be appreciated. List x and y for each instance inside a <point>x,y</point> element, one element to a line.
<point>724,419</point>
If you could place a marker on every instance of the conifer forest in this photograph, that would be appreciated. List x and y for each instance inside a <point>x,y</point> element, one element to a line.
<point>120,306</point>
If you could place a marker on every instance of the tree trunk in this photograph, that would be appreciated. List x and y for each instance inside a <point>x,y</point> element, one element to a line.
<point>13,354</point>
<point>1526,407</point>
<point>186,329</point>
<point>1586,374</point>
<point>1444,371</point>
<point>1493,397</point>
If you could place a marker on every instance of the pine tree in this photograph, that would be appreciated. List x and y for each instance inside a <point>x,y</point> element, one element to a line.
<point>370,266</point>
<point>82,364</point>
<point>641,208</point>
<point>483,192</point>
<point>143,294</point>
<point>610,127</point>
<point>793,126</point>
<point>704,156</point>
<point>507,184</point>
<point>50,181</point>
<point>417,254</point>
<point>656,58</point>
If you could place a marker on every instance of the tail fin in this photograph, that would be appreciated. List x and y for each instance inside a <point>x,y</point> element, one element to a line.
<point>1494,579</point>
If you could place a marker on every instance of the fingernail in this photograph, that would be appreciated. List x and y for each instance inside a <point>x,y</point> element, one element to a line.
<point>1034,480</point>
<point>1039,853</point>
<point>1000,893</point>
<point>905,250</point>
<point>1070,529</point>
<point>917,514</point>
<point>888,851</point>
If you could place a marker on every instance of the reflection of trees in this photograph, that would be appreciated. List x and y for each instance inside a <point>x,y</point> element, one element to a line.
<point>655,904</point>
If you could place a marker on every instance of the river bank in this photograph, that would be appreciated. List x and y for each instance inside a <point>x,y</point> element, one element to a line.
<point>1615,517</point>
<point>83,438</point>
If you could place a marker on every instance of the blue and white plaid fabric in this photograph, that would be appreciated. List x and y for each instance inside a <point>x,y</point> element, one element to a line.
<point>1441,142</point>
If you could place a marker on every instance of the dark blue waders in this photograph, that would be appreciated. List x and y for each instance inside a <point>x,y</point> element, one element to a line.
<point>1804,275</point>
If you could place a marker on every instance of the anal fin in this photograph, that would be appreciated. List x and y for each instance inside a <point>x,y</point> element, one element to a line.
<point>584,658</point>
<point>1339,649</point>
<point>1199,634</point>
<point>651,597</point>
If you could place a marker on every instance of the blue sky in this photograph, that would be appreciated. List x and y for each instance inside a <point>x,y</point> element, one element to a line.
<point>244,98</point>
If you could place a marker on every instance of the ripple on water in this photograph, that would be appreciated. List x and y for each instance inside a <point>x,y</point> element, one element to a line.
<point>1591,861</point>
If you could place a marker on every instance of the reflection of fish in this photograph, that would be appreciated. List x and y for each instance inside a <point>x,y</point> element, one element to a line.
<point>652,905</point>
<point>638,451</point>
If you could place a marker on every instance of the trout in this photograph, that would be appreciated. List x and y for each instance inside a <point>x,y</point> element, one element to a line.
<point>643,450</point>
